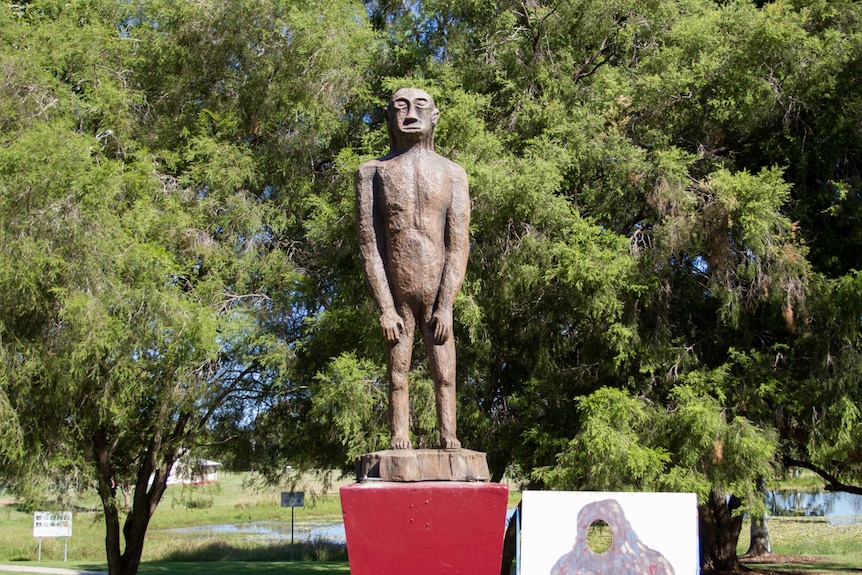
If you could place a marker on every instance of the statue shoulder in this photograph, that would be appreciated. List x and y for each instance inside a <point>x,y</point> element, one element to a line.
<point>367,169</point>
<point>457,172</point>
<point>451,167</point>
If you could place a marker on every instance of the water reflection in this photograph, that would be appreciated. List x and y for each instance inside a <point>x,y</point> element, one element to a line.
<point>332,531</point>
<point>837,508</point>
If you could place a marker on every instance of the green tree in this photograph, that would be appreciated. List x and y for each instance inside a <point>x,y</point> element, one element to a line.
<point>641,174</point>
<point>690,444</point>
<point>819,418</point>
<point>157,163</point>
<point>650,184</point>
<point>665,202</point>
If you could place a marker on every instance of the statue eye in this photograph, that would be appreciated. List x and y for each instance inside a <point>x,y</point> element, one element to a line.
<point>400,104</point>
<point>421,103</point>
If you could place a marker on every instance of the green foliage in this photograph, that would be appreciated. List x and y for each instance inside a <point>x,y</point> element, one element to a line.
<point>713,449</point>
<point>616,449</point>
<point>839,439</point>
<point>644,177</point>
<point>196,497</point>
<point>665,246</point>
<point>692,445</point>
<point>154,173</point>
<point>350,399</point>
<point>820,420</point>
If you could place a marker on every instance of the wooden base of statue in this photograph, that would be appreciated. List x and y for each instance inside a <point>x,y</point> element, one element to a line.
<point>424,528</point>
<point>423,465</point>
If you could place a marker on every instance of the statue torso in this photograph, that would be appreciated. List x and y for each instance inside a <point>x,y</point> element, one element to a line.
<point>412,194</point>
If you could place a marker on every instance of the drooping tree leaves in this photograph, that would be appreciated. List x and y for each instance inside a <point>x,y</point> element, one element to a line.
<point>665,197</point>
<point>157,165</point>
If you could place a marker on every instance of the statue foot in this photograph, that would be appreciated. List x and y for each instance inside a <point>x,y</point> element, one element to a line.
<point>401,443</point>
<point>450,442</point>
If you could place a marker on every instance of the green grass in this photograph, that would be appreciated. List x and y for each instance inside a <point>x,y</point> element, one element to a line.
<point>838,548</point>
<point>240,567</point>
<point>801,480</point>
<point>215,568</point>
<point>232,500</point>
<point>820,567</point>
<point>815,536</point>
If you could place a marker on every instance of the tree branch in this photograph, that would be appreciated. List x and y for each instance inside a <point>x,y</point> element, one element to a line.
<point>832,482</point>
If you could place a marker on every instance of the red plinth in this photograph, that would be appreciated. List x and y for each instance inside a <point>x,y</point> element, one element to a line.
<point>424,528</point>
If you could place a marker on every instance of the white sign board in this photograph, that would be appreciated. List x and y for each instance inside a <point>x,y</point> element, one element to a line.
<point>48,524</point>
<point>653,533</point>
<point>293,499</point>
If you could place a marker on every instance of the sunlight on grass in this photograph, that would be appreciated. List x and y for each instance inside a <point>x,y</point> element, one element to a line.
<point>233,501</point>
<point>837,547</point>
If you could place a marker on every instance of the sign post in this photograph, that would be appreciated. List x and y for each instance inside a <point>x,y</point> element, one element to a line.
<point>50,524</point>
<point>292,499</point>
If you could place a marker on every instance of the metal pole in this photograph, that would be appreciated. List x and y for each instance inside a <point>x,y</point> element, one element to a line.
<point>291,533</point>
<point>40,549</point>
<point>65,549</point>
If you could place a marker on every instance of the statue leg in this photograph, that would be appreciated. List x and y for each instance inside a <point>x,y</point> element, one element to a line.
<point>399,397</point>
<point>441,362</point>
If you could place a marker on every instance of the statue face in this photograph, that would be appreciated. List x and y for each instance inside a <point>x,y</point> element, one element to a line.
<point>412,111</point>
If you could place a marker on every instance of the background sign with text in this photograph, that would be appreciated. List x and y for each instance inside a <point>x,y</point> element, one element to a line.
<point>293,499</point>
<point>48,524</point>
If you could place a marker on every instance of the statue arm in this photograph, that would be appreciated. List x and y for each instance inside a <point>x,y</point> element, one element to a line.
<point>457,249</point>
<point>370,250</point>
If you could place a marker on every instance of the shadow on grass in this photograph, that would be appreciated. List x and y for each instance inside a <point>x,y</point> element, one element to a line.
<point>220,551</point>
<point>246,568</point>
<point>817,567</point>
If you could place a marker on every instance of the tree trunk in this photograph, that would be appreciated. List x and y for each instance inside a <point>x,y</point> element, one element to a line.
<point>144,503</point>
<point>759,533</point>
<point>133,532</point>
<point>146,498</point>
<point>719,532</point>
<point>759,545</point>
<point>102,457</point>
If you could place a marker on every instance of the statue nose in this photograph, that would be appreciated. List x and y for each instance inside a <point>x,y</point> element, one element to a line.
<point>412,115</point>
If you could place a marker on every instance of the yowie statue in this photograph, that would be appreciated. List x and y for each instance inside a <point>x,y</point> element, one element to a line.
<point>413,216</point>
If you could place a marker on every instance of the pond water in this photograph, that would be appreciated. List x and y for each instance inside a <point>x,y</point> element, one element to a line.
<point>837,508</point>
<point>276,531</point>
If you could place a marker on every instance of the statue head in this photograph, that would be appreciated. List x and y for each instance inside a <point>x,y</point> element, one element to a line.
<point>411,117</point>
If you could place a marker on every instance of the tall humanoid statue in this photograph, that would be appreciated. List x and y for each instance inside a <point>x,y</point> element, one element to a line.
<point>413,215</point>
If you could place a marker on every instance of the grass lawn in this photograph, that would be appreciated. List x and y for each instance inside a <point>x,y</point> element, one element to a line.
<point>241,567</point>
<point>810,545</point>
<point>231,500</point>
<point>213,568</point>
<point>803,545</point>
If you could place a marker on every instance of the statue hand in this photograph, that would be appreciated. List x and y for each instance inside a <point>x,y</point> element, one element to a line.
<point>441,324</point>
<point>393,326</point>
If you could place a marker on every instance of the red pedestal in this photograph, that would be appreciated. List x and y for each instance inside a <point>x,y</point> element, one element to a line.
<point>424,528</point>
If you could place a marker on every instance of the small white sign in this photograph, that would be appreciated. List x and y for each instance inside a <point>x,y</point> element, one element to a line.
<point>52,524</point>
<point>293,499</point>
<point>653,533</point>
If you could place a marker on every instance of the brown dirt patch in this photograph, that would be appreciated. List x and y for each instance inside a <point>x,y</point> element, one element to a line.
<point>752,565</point>
<point>773,558</point>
